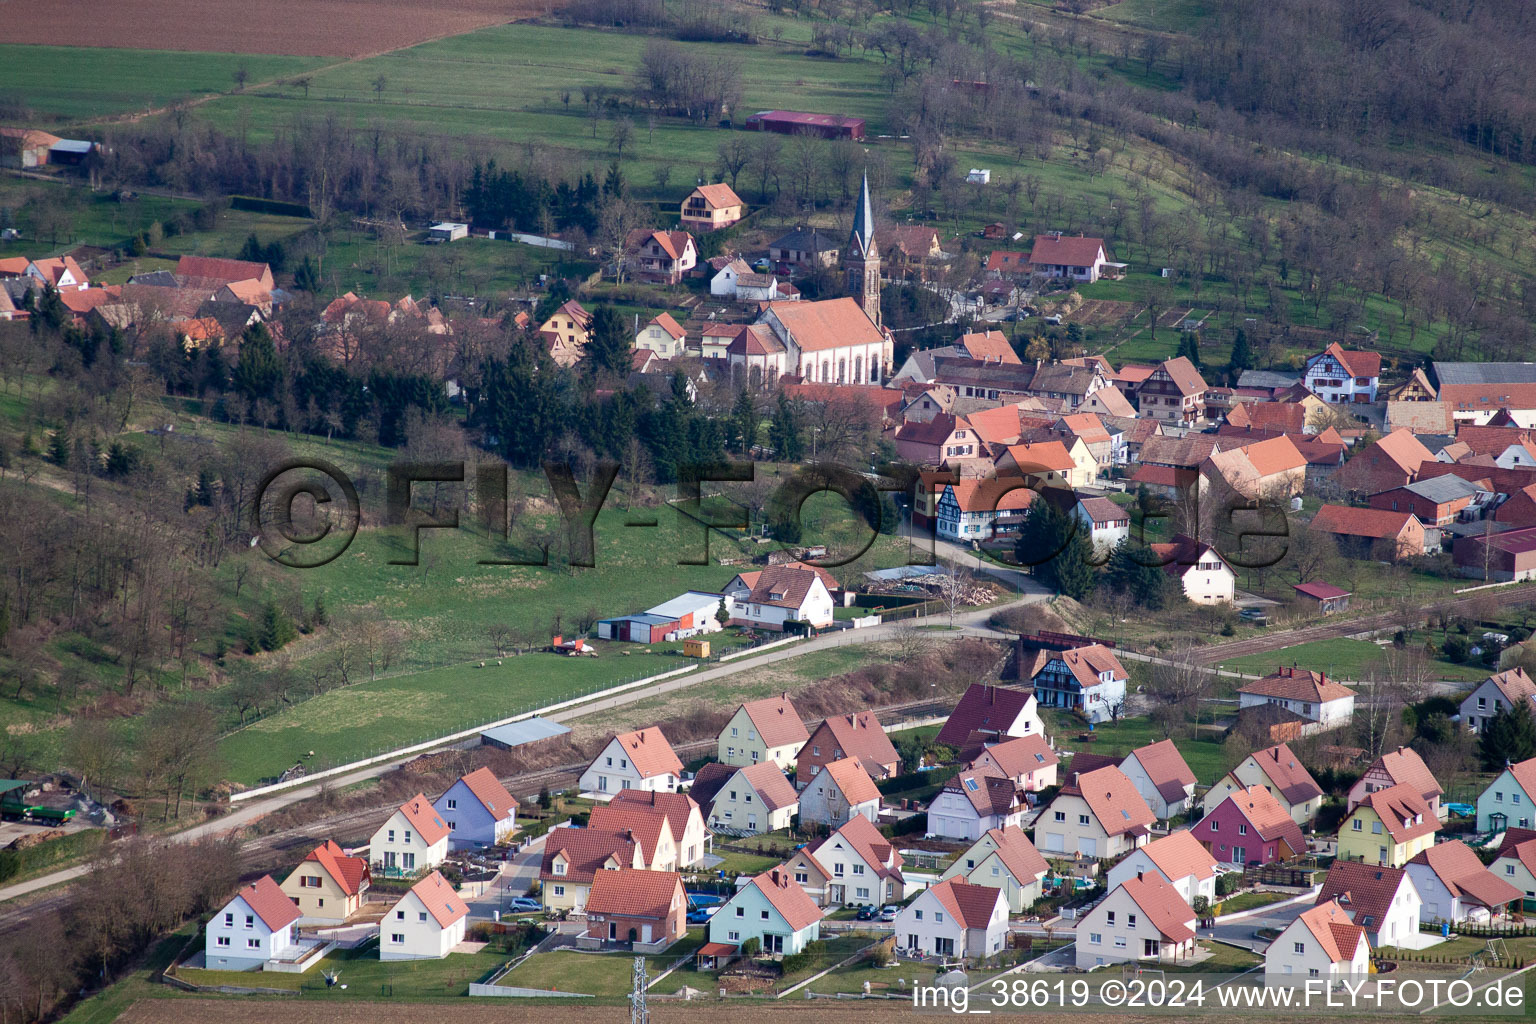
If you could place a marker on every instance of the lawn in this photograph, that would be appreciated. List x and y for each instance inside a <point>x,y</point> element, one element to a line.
<point>1204,756</point>
<point>366,976</point>
<point>1341,658</point>
<point>1245,901</point>
<point>1224,960</point>
<point>595,974</point>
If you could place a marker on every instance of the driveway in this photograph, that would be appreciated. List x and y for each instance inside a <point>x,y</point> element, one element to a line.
<point>1239,931</point>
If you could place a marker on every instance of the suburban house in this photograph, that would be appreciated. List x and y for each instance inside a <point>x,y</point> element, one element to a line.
<point>805,247</point>
<point>1372,533</point>
<point>756,798</point>
<point>414,839</point>
<point>854,866</point>
<point>987,714</point>
<point>857,736</point>
<point>780,594</point>
<point>769,729</point>
<point>1003,858</point>
<point>1162,777</point>
<point>1250,827</point>
<point>1338,375</point>
<point>1321,943</point>
<point>1107,523</point>
<point>1179,858</point>
<point>574,856</point>
<point>1499,556</point>
<point>1516,862</point>
<point>683,815</point>
<point>1204,575</point>
<point>658,850</point>
<point>1383,901</point>
<point>425,924</point>
<point>1434,501</point>
<point>642,759</point>
<point>1455,886</point>
<point>1389,826</point>
<point>1511,688</point>
<point>1089,680</point>
<point>711,207</point>
<point>254,927</point>
<point>1400,766</point>
<point>954,918</point>
<point>1028,761</point>
<point>1509,799</point>
<point>972,509</point>
<point>1096,814</point>
<point>1277,769</point>
<point>328,886</point>
<point>662,335</point>
<point>974,802</point>
<point>838,791</point>
<point>1142,918</point>
<point>772,909</point>
<point>1385,463</point>
<point>660,256</point>
<point>1078,259</point>
<point>1174,393</point>
<point>479,811</point>
<point>1323,703</point>
<point>566,332</point>
<point>637,908</point>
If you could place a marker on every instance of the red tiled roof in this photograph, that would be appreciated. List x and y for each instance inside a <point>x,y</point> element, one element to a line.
<point>644,824</point>
<point>827,324</point>
<point>586,850</point>
<point>1290,778</point>
<point>1022,754</point>
<point>1405,766</point>
<point>776,720</point>
<point>1290,683</point>
<point>421,816</point>
<point>1319,590</point>
<point>679,808</point>
<point>783,586</point>
<point>268,902</point>
<point>861,736</point>
<point>1085,425</point>
<point>493,796</point>
<point>1086,663</point>
<point>785,895</point>
<point>1113,800</point>
<point>666,323</point>
<point>349,872</point>
<point>1360,522</point>
<point>1515,685</point>
<point>636,892</point>
<point>1163,906</point>
<point>1463,873</point>
<point>988,792</point>
<point>1356,362</point>
<point>1102,510</point>
<point>719,196</point>
<point>1179,855</point>
<point>1031,458</point>
<point>770,784</point>
<point>210,268</point>
<point>1018,854</point>
<point>1064,251</point>
<point>1007,259</point>
<point>442,902</point>
<point>1183,374</point>
<point>1268,818</point>
<point>970,905</point>
<point>983,708</point>
<point>1165,768</point>
<point>989,347</point>
<point>851,778</point>
<point>650,753</point>
<point>708,780</point>
<point>1366,891</point>
<point>1404,449</point>
<point>1332,929</point>
<point>867,841</point>
<point>1403,812</point>
<point>1164,476</point>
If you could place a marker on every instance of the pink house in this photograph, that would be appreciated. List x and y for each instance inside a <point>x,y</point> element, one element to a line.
<point>1250,827</point>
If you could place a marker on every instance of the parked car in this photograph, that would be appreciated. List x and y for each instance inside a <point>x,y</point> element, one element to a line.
<point>889,912</point>
<point>866,914</point>
<point>1253,614</point>
<point>523,905</point>
<point>701,915</point>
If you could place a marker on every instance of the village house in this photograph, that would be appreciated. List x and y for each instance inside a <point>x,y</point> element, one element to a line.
<point>425,924</point>
<point>988,347</point>
<point>1395,767</point>
<point>566,333</point>
<point>756,798</point>
<point>1322,702</point>
<point>1454,886</point>
<point>1281,774</point>
<point>1508,799</point>
<point>1089,680</point>
<point>1515,862</point>
<point>1174,393</point>
<point>1372,533</point>
<point>1203,574</point>
<point>1337,375</point>
<point>1065,383</point>
<point>1003,858</point>
<point>1435,501</point>
<point>711,207</point>
<point>1142,918</point>
<point>658,851</point>
<point>1388,462</point>
<point>805,248</point>
<point>1321,943</point>
<point>841,736</point>
<point>945,439</point>
<point>574,856</point>
<point>479,811</point>
<point>1179,858</point>
<point>1477,392</point>
<point>1511,688</point>
<point>61,272</point>
<point>909,250</point>
<point>1269,470</point>
<point>1095,814</point>
<point>975,801</point>
<point>254,927</point>
<point>1384,901</point>
<point>779,595</point>
<point>659,256</point>
<point>690,839</point>
<point>1045,464</point>
<point>986,713</point>
<point>644,910</point>
<point>414,839</point>
<point>838,791</point>
<point>1389,826</point>
<point>772,909</point>
<point>1107,524</point>
<point>768,729</point>
<point>1162,777</point>
<point>1250,827</point>
<point>1028,761</point>
<point>854,866</point>
<point>641,759</point>
<point>954,918</point>
<point>1081,260</point>
<point>972,509</point>
<point>663,336</point>
<point>328,886</point>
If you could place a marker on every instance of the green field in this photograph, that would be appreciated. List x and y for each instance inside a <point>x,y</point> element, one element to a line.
<point>1204,756</point>
<point>1341,658</point>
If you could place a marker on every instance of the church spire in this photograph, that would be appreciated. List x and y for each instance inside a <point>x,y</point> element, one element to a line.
<point>862,238</point>
<point>862,261</point>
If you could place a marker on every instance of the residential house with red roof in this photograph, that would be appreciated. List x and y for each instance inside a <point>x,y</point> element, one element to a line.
<point>1204,575</point>
<point>1107,524</point>
<point>1435,501</point>
<point>1042,463</point>
<point>854,866</point>
<point>251,929</point>
<point>652,830</point>
<point>1077,259</point>
<point>682,814</point>
<point>1250,827</point>
<point>644,911</point>
<point>711,207</point>
<point>1028,760</point>
<point>771,908</point>
<point>1325,703</point>
<point>1174,393</point>
<point>1385,463</point>
<point>858,736</point>
<point>659,256</point>
<point>768,729</point>
<point>566,332</point>
<point>989,714</point>
<point>211,272</point>
<point>1338,375</point>
<point>989,347</point>
<point>639,759</point>
<point>574,856</point>
<point>1320,943</point>
<point>425,924</point>
<point>1372,533</point>
<point>753,799</point>
<point>1278,770</point>
<point>328,886</point>
<point>1162,777</point>
<point>1008,263</point>
<point>1385,902</point>
<point>412,840</point>
<point>1508,801</point>
<point>975,801</point>
<point>1269,469</point>
<point>1455,886</point>
<point>1179,858</point>
<point>62,272</point>
<point>837,791</point>
<point>1142,919</point>
<point>946,439</point>
<point>1095,814</point>
<point>1089,680</point>
<point>778,595</point>
<point>1405,766</point>
<point>954,919</point>
<point>1501,691</point>
<point>1003,858</point>
<point>1516,861</point>
<point>479,811</point>
<point>1390,826</point>
<point>663,336</point>
<point>976,509</point>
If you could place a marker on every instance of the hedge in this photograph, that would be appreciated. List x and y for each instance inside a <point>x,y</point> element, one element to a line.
<point>254,204</point>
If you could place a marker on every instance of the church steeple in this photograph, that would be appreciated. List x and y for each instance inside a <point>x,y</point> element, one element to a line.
<point>862,261</point>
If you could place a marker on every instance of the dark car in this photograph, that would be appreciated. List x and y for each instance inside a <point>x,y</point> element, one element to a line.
<point>867,914</point>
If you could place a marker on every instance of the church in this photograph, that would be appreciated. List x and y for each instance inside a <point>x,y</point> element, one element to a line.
<point>832,341</point>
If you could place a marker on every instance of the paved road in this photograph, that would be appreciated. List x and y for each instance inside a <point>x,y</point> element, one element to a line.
<point>1240,930</point>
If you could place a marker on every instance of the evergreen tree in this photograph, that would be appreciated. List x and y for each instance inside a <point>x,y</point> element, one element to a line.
<point>1242,355</point>
<point>744,419</point>
<point>320,615</point>
<point>784,432</point>
<point>5,459</point>
<point>1133,570</point>
<point>1189,347</point>
<point>49,312</point>
<point>1510,736</point>
<point>251,251</point>
<point>259,374</point>
<point>521,405</point>
<point>59,447</point>
<point>608,344</point>
<point>275,629</point>
<point>1048,532</point>
<point>722,613</point>
<point>204,494</point>
<point>122,459</point>
<point>307,277</point>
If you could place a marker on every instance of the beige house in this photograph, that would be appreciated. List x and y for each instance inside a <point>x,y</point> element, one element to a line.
<point>754,799</point>
<point>661,335</point>
<point>855,865</point>
<point>574,856</point>
<point>711,207</point>
<point>1277,770</point>
<point>1096,814</point>
<point>763,730</point>
<point>328,886</point>
<point>1005,859</point>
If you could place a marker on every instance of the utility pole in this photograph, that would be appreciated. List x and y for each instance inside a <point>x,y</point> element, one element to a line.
<point>639,1013</point>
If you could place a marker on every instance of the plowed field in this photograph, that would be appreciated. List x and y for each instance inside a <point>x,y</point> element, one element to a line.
<point>308,28</point>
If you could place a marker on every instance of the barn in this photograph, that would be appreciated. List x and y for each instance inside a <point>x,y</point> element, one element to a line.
<point>793,122</point>
<point>643,628</point>
<point>696,611</point>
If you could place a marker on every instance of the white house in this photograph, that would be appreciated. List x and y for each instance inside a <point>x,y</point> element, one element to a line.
<point>1507,802</point>
<point>1089,680</point>
<point>642,759</point>
<point>1096,814</point>
<point>757,798</point>
<point>690,837</point>
<point>839,791</point>
<point>425,924</point>
<point>1383,901</point>
<point>1003,858</point>
<point>968,510</point>
<point>662,335</point>
<point>854,866</point>
<point>780,594</point>
<point>769,729</point>
<point>772,909</point>
<point>1454,885</point>
<point>1201,571</point>
<point>1028,760</point>
<point>1324,703</point>
<point>414,839</point>
<point>1402,766</point>
<point>1339,376</point>
<point>973,803</point>
<point>954,918</point>
<point>1106,523</point>
<point>254,927</point>
<point>1142,918</point>
<point>1321,943</point>
<point>1179,858</point>
<point>988,714</point>
<point>1508,689</point>
<point>1516,862</point>
<point>1162,777</point>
